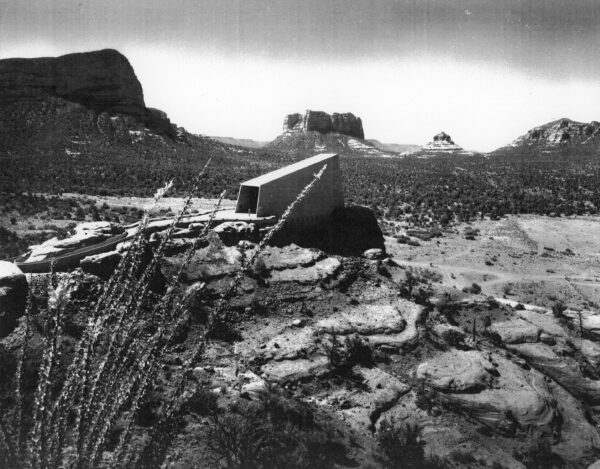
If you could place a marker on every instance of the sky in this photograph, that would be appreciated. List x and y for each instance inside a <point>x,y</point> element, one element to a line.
<point>484,71</point>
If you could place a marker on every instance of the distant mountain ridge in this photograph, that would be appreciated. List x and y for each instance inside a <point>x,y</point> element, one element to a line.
<point>394,147</point>
<point>241,142</point>
<point>561,132</point>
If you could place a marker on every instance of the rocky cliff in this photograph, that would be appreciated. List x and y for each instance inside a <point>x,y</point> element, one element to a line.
<point>561,132</point>
<point>102,81</point>
<point>319,121</point>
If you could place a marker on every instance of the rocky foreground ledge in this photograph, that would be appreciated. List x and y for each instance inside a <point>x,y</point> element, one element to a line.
<point>366,340</point>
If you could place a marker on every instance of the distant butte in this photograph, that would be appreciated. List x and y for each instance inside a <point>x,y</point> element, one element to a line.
<point>442,142</point>
<point>345,123</point>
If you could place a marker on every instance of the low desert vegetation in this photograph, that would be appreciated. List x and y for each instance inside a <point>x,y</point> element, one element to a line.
<point>425,192</point>
<point>84,387</point>
<point>402,446</point>
<point>271,432</point>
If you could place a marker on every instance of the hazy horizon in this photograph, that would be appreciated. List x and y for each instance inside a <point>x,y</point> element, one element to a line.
<point>484,71</point>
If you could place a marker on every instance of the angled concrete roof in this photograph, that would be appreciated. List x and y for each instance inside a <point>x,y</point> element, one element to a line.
<point>278,173</point>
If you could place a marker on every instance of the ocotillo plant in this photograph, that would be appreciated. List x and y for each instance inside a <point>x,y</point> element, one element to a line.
<point>113,364</point>
<point>112,367</point>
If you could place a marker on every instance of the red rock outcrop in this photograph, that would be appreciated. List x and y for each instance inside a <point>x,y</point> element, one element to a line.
<point>319,121</point>
<point>102,80</point>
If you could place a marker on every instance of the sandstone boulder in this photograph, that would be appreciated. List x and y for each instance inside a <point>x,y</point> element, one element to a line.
<point>323,270</point>
<point>232,232</point>
<point>287,371</point>
<point>379,392</point>
<point>516,331</point>
<point>365,320</point>
<point>457,371</point>
<point>516,398</point>
<point>386,326</point>
<point>210,262</point>
<point>13,296</point>
<point>101,265</point>
<point>86,234</point>
<point>354,229</point>
<point>290,257</point>
<point>579,440</point>
<point>563,369</point>
<point>374,254</point>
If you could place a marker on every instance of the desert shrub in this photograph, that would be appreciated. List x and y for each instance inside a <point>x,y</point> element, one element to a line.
<point>558,309</point>
<point>431,275</point>
<point>259,268</point>
<point>357,351</point>
<point>222,326</point>
<point>273,432</point>
<point>202,402</point>
<point>462,456</point>
<point>474,288</point>
<point>410,282</point>
<point>538,454</point>
<point>453,337</point>
<point>343,357</point>
<point>401,444</point>
<point>449,307</point>
<point>425,398</point>
<point>436,462</point>
<point>423,296</point>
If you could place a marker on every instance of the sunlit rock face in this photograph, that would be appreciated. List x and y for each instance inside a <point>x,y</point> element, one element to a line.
<point>561,132</point>
<point>319,121</point>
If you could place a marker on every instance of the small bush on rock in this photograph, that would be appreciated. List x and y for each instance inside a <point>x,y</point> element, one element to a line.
<point>202,402</point>
<point>538,454</point>
<point>425,399</point>
<point>275,432</point>
<point>558,309</point>
<point>453,337</point>
<point>474,289</point>
<point>354,351</point>
<point>401,444</point>
<point>492,336</point>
